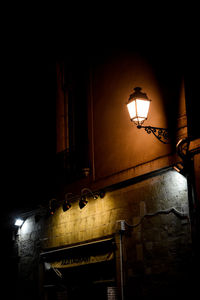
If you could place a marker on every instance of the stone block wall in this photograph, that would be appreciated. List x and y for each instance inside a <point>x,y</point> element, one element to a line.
<point>28,240</point>
<point>159,247</point>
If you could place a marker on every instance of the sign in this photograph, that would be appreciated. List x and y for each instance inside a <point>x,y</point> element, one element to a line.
<point>112,293</point>
<point>74,261</point>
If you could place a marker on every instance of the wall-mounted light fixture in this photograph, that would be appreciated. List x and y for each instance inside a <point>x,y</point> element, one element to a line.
<point>52,206</point>
<point>138,107</point>
<point>179,167</point>
<point>19,222</point>
<point>70,197</point>
<point>66,203</point>
<point>83,201</point>
<point>94,195</point>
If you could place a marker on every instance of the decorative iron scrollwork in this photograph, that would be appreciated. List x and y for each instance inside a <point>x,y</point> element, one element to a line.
<point>162,134</point>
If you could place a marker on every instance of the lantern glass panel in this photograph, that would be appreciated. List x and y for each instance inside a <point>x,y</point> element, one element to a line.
<point>132,109</point>
<point>138,110</point>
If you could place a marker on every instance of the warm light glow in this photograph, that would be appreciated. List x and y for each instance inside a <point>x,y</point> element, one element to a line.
<point>19,222</point>
<point>132,109</point>
<point>138,110</point>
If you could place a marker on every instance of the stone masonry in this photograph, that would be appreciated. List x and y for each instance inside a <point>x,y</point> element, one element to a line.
<point>160,247</point>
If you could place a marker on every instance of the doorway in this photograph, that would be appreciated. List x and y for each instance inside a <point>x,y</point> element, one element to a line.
<point>92,281</point>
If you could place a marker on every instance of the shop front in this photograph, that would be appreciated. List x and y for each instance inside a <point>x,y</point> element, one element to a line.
<point>85,271</point>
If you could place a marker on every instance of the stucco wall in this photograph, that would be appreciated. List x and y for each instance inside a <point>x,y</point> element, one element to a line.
<point>111,135</point>
<point>114,135</point>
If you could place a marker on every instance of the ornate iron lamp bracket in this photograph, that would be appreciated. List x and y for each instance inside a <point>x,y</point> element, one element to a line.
<point>162,134</point>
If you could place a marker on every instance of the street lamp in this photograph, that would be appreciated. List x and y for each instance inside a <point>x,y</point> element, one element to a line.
<point>138,108</point>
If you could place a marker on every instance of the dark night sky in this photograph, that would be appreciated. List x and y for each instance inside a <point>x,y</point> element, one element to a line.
<point>29,123</point>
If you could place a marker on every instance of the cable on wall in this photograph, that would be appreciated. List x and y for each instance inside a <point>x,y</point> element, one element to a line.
<point>165,211</point>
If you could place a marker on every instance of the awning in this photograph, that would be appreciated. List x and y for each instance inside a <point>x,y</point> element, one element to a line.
<point>82,254</point>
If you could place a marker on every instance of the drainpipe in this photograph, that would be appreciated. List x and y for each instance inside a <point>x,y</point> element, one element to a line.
<point>121,231</point>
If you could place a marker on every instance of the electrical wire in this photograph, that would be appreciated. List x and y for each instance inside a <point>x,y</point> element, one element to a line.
<point>165,211</point>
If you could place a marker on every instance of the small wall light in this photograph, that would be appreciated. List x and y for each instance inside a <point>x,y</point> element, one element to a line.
<point>179,167</point>
<point>138,108</point>
<point>52,206</point>
<point>66,203</point>
<point>94,195</point>
<point>83,202</point>
<point>19,222</point>
<point>101,194</point>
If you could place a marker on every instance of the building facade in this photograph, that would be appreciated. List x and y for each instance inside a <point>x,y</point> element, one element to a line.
<point>119,225</point>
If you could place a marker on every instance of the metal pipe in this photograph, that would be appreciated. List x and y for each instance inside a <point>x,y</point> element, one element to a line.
<point>121,260</point>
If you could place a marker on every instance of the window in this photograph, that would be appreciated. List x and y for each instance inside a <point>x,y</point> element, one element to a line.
<point>72,120</point>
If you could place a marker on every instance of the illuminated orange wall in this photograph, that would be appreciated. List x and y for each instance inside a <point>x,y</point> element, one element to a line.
<point>117,143</point>
<point>117,149</point>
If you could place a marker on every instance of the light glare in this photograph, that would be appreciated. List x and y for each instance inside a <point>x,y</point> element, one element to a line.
<point>142,108</point>
<point>138,110</point>
<point>19,222</point>
<point>131,109</point>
